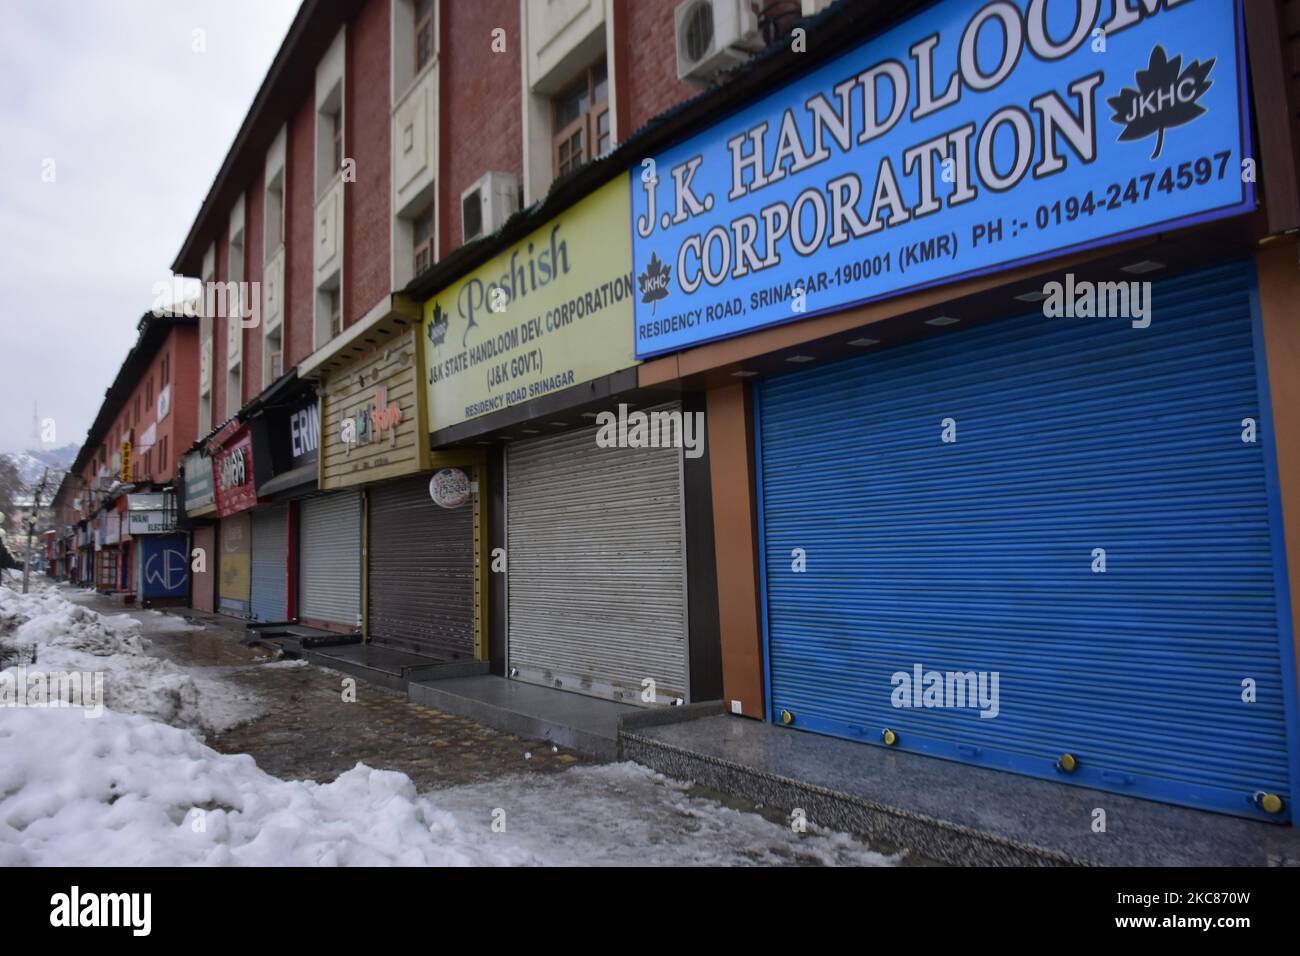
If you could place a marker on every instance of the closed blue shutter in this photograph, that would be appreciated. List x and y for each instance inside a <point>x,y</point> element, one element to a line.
<point>1072,435</point>
<point>270,588</point>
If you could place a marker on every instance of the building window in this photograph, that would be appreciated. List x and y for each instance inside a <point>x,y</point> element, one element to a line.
<point>274,236</point>
<point>336,311</point>
<point>148,393</point>
<point>423,33</point>
<point>163,464</point>
<point>580,120</point>
<point>337,133</point>
<point>422,234</point>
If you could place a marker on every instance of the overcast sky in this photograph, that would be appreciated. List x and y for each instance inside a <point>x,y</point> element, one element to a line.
<point>137,121</point>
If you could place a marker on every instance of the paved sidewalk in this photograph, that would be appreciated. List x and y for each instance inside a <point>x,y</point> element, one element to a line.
<point>950,811</point>
<point>307,731</point>
<point>600,814</point>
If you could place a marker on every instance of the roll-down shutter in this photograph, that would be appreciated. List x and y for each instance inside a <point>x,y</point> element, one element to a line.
<point>421,583</point>
<point>234,587</point>
<point>596,593</point>
<point>982,555</point>
<point>270,556</point>
<point>329,563</point>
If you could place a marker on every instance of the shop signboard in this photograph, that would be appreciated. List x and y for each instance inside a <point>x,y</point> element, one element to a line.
<point>232,468</point>
<point>551,312</point>
<point>369,418</point>
<point>969,138</point>
<point>199,492</point>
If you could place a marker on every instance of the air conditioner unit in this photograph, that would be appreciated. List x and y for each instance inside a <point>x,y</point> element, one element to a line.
<point>486,205</point>
<point>714,35</point>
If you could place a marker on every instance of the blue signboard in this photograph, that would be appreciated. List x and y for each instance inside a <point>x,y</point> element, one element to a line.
<point>165,570</point>
<point>974,136</point>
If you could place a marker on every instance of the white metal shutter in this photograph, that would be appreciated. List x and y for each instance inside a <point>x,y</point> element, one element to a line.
<point>270,554</point>
<point>596,567</point>
<point>329,562</point>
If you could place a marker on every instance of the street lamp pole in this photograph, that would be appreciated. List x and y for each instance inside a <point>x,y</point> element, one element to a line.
<point>31,527</point>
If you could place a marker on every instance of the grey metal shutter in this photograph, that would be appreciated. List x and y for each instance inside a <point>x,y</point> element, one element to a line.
<point>978,556</point>
<point>270,557</point>
<point>596,567</point>
<point>329,558</point>
<point>421,571</point>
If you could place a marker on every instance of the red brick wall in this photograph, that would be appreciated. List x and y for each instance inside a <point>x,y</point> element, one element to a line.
<point>181,424</point>
<point>254,202</point>
<point>366,202</point>
<point>300,166</point>
<point>651,56</point>
<point>481,104</point>
<point>184,345</point>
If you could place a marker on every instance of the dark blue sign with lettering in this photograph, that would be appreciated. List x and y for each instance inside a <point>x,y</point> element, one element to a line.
<point>974,136</point>
<point>165,568</point>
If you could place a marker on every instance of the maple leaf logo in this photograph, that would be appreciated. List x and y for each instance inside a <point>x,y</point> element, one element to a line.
<point>438,325</point>
<point>654,281</point>
<point>1166,96</point>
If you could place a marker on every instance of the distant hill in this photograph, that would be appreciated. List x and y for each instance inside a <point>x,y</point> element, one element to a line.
<point>33,462</point>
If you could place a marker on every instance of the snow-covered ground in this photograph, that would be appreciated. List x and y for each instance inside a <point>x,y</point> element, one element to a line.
<point>67,638</point>
<point>137,786</point>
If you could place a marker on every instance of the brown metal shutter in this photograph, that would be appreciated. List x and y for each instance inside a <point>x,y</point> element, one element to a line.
<point>205,539</point>
<point>420,590</point>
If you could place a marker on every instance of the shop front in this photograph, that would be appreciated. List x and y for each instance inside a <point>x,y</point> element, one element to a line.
<point>160,566</point>
<point>85,553</point>
<point>286,448</point>
<point>1019,514</point>
<point>108,552</point>
<point>199,497</point>
<point>527,355</point>
<point>232,468</point>
<point>420,557</point>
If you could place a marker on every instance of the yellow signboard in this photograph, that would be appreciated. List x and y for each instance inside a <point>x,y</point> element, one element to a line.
<point>125,474</point>
<point>551,312</point>
<point>370,419</point>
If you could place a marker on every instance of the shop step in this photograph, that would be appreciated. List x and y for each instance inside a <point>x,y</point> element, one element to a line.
<point>588,725</point>
<point>945,810</point>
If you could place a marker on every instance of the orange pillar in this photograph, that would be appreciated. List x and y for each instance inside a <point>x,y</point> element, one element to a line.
<point>735,532</point>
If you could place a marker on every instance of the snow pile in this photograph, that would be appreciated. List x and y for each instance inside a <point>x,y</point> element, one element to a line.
<point>128,791</point>
<point>67,638</point>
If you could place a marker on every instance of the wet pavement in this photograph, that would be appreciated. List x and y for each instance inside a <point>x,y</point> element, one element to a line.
<point>308,731</point>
